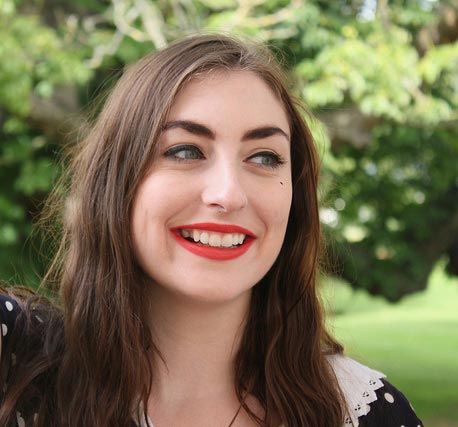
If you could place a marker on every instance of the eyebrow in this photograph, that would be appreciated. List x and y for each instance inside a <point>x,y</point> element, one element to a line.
<point>202,130</point>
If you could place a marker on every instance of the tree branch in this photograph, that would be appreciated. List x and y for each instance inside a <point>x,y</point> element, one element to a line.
<point>442,32</point>
<point>60,117</point>
<point>348,126</point>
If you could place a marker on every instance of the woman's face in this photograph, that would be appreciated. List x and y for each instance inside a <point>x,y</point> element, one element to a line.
<point>210,216</point>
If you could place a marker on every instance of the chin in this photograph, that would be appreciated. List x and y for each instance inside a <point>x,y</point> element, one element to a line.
<point>215,296</point>
<point>205,291</point>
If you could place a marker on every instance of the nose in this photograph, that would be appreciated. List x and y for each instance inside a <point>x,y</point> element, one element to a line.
<point>223,189</point>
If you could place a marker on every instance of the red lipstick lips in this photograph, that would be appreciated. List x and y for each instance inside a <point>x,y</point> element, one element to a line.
<point>209,252</point>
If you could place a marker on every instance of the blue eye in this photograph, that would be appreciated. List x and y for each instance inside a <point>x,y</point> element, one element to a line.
<point>266,158</point>
<point>184,152</point>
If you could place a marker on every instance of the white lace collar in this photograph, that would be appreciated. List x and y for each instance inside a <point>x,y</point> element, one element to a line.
<point>139,418</point>
<point>358,384</point>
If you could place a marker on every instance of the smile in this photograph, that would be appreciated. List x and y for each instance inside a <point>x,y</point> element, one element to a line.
<point>214,241</point>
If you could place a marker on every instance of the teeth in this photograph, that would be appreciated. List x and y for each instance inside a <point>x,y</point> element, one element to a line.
<point>204,238</point>
<point>227,241</point>
<point>216,240</point>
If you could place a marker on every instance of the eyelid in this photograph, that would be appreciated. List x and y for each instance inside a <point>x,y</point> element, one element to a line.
<point>175,149</point>
<point>278,160</point>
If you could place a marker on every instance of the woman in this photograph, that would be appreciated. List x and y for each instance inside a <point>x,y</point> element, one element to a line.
<point>188,265</point>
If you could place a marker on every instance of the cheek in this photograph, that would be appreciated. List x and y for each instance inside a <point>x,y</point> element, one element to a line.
<point>140,212</point>
<point>158,200</point>
<point>149,206</point>
<point>282,199</point>
<point>275,204</point>
<point>159,194</point>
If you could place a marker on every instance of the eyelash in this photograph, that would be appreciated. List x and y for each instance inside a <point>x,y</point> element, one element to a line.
<point>275,159</point>
<point>173,152</point>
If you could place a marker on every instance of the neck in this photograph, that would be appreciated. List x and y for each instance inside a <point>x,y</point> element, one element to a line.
<point>198,342</point>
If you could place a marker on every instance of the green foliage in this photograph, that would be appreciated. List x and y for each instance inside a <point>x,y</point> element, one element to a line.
<point>382,75</point>
<point>35,59</point>
<point>219,4</point>
<point>389,100</point>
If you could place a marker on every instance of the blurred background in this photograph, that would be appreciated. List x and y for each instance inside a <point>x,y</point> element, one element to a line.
<point>381,79</point>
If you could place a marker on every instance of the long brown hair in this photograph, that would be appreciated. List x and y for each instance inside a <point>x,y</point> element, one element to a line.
<point>103,368</point>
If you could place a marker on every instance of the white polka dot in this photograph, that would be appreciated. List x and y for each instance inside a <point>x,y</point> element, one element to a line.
<point>4,329</point>
<point>20,420</point>
<point>9,306</point>
<point>388,397</point>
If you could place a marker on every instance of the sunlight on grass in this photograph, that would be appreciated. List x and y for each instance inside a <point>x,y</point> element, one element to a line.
<point>414,342</point>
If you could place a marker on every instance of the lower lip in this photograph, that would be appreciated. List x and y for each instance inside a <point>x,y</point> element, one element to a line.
<point>209,252</point>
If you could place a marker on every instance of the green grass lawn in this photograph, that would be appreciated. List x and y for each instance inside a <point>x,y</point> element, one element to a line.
<point>415,342</point>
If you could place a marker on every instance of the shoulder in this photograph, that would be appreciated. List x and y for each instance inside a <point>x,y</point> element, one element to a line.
<point>390,409</point>
<point>9,310</point>
<point>371,400</point>
<point>28,323</point>
<point>32,346</point>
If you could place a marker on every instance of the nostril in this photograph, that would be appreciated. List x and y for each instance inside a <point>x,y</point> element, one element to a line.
<point>225,199</point>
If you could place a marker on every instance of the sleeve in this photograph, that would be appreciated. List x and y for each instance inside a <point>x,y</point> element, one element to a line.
<point>391,409</point>
<point>9,310</point>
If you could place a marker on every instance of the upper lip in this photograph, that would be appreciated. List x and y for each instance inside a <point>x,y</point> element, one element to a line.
<point>215,227</point>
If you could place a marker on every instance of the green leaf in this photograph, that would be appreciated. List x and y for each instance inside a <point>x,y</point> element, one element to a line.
<point>219,4</point>
<point>35,176</point>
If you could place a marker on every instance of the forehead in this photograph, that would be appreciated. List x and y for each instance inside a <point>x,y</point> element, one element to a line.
<point>240,96</point>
